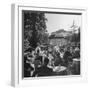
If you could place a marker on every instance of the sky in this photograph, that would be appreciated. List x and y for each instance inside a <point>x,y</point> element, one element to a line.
<point>61,21</point>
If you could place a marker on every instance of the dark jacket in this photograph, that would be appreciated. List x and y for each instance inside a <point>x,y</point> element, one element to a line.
<point>43,71</point>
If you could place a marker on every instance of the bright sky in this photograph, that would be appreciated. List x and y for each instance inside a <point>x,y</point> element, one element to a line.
<point>61,21</point>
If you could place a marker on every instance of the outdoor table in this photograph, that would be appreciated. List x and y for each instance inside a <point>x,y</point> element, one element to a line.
<point>60,70</point>
<point>76,59</point>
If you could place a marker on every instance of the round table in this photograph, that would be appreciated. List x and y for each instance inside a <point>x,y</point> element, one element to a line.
<point>60,70</point>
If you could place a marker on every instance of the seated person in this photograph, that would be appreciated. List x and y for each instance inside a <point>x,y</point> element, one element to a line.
<point>43,70</point>
<point>58,60</point>
<point>27,68</point>
<point>67,54</point>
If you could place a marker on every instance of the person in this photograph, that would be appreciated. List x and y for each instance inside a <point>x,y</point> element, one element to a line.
<point>50,57</point>
<point>76,53</point>
<point>70,66</point>
<point>58,60</point>
<point>27,68</point>
<point>67,54</point>
<point>61,53</point>
<point>44,70</point>
<point>38,49</point>
<point>56,48</point>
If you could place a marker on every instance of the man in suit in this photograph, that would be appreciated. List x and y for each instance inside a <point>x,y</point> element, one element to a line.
<point>66,56</point>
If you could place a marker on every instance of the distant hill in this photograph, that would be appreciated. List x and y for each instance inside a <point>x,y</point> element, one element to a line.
<point>61,33</point>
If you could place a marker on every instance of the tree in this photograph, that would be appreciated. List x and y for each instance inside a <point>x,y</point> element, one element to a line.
<point>34,27</point>
<point>76,36</point>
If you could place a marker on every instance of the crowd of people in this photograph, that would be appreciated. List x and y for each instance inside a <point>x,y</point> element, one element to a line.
<point>52,61</point>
